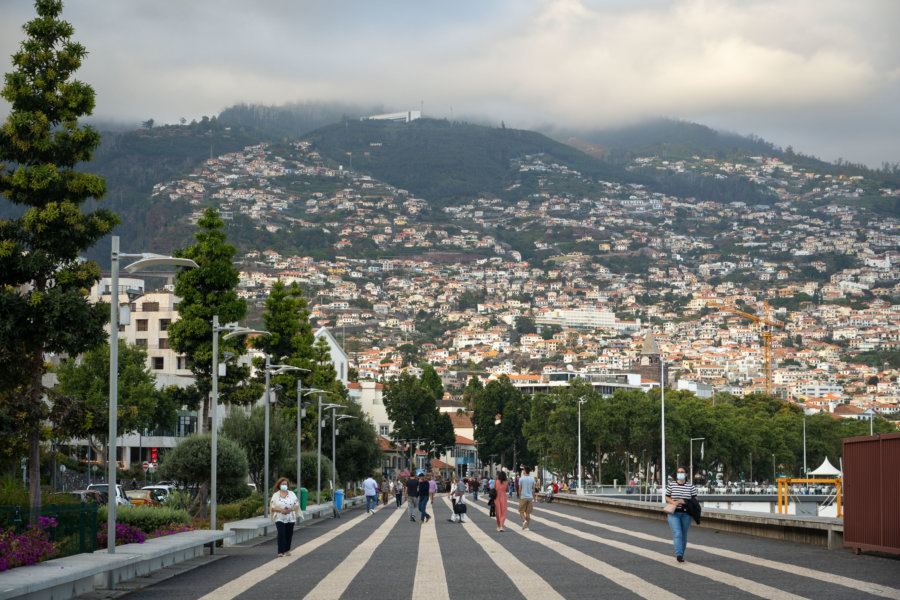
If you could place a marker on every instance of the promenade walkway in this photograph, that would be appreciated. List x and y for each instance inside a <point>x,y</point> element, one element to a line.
<point>570,552</point>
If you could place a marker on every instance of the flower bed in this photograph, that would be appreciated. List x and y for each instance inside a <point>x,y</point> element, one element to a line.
<point>28,548</point>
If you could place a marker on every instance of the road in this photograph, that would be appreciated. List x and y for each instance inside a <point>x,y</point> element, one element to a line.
<point>570,552</point>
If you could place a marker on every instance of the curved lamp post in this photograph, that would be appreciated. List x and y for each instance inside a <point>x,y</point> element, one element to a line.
<point>233,330</point>
<point>319,425</point>
<point>271,370</point>
<point>301,412</point>
<point>146,260</point>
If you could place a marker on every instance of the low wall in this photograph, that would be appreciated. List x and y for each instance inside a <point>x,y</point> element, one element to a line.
<point>816,531</point>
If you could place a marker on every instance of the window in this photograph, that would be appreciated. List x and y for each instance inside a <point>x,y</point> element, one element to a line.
<point>163,343</point>
<point>150,307</point>
<point>384,429</point>
<point>164,324</point>
<point>181,363</point>
<point>142,324</point>
<point>141,342</point>
<point>159,363</point>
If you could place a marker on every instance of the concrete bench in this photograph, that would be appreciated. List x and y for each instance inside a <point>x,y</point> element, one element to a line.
<point>72,576</point>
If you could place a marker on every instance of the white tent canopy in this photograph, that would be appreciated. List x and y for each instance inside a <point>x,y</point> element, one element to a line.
<point>826,469</point>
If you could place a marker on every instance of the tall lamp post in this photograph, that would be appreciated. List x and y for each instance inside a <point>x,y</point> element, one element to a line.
<point>233,330</point>
<point>334,432</point>
<point>580,402</point>
<point>301,412</point>
<point>145,260</point>
<point>692,455</point>
<point>319,426</point>
<point>271,370</point>
<point>662,408</point>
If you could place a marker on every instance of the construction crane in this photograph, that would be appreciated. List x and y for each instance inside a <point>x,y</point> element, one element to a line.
<point>765,325</point>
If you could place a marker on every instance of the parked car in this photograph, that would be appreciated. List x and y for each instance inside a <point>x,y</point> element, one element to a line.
<point>142,498</point>
<point>120,492</point>
<point>89,496</point>
<point>160,492</point>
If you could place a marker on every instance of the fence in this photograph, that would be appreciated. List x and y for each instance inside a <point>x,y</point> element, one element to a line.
<point>76,525</point>
<point>871,490</point>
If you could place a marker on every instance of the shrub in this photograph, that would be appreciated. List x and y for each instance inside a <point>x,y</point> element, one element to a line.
<point>28,548</point>
<point>245,509</point>
<point>178,500</point>
<point>146,518</point>
<point>125,534</point>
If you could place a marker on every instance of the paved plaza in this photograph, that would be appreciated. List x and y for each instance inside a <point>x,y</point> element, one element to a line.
<point>570,552</point>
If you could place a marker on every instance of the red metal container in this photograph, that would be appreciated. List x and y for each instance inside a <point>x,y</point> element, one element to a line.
<point>872,493</point>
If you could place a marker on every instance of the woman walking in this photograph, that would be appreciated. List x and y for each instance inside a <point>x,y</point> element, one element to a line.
<point>683,496</point>
<point>282,507</point>
<point>500,502</point>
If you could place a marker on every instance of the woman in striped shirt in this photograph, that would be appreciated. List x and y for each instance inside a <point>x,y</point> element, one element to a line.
<point>677,493</point>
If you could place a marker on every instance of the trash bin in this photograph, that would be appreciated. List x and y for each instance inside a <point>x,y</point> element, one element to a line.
<point>304,495</point>
<point>339,499</point>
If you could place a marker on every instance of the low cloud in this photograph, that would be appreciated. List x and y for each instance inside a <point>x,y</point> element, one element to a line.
<point>583,63</point>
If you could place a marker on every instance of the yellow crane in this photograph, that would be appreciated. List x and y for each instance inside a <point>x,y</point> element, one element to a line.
<point>765,325</point>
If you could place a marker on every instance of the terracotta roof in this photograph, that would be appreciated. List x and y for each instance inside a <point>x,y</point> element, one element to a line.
<point>463,421</point>
<point>464,441</point>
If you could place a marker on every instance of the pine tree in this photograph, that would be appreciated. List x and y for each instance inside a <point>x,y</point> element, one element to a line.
<point>43,286</point>
<point>207,291</point>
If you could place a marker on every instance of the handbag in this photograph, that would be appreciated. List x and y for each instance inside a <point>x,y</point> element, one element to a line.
<point>669,509</point>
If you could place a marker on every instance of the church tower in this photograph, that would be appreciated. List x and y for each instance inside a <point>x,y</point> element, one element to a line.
<point>650,360</point>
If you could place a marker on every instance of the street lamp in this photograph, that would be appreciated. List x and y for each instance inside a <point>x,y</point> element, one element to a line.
<point>301,412</point>
<point>145,260</point>
<point>334,433</point>
<point>271,370</point>
<point>233,330</point>
<point>319,425</point>
<point>662,419</point>
<point>580,402</point>
<point>692,455</point>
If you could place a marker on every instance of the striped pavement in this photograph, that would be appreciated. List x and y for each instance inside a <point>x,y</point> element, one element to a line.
<point>570,552</point>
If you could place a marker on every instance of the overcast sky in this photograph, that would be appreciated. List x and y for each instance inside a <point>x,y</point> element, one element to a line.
<point>821,75</point>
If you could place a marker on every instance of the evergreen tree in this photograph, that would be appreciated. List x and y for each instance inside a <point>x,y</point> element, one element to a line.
<point>42,282</point>
<point>207,291</point>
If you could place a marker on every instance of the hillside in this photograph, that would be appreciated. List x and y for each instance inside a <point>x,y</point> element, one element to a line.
<point>444,162</point>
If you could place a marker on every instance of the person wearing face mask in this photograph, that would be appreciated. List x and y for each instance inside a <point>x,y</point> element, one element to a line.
<point>680,493</point>
<point>283,507</point>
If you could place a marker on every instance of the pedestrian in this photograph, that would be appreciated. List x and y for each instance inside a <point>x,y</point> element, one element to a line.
<point>385,491</point>
<point>501,485</point>
<point>424,517</point>
<point>681,494</point>
<point>370,489</point>
<point>492,502</point>
<point>412,496</point>
<point>283,508</point>
<point>475,486</point>
<point>432,487</point>
<point>458,502</point>
<point>133,483</point>
<point>398,492</point>
<point>526,497</point>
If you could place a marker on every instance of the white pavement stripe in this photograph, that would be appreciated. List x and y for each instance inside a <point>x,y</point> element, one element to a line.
<point>335,583</point>
<point>430,580</point>
<point>630,582</point>
<point>747,585</point>
<point>243,583</point>
<point>855,584</point>
<point>531,585</point>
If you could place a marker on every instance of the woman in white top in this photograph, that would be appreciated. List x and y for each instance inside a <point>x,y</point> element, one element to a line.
<point>283,507</point>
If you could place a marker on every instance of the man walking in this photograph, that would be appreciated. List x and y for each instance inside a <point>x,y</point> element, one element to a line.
<point>423,498</point>
<point>370,488</point>
<point>412,496</point>
<point>526,497</point>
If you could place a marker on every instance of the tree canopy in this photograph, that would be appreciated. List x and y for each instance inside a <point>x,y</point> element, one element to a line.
<point>42,282</point>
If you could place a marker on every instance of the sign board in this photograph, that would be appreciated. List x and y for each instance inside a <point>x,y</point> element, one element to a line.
<point>153,467</point>
<point>146,466</point>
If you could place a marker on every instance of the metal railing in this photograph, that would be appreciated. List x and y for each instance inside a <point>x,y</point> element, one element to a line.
<point>76,525</point>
